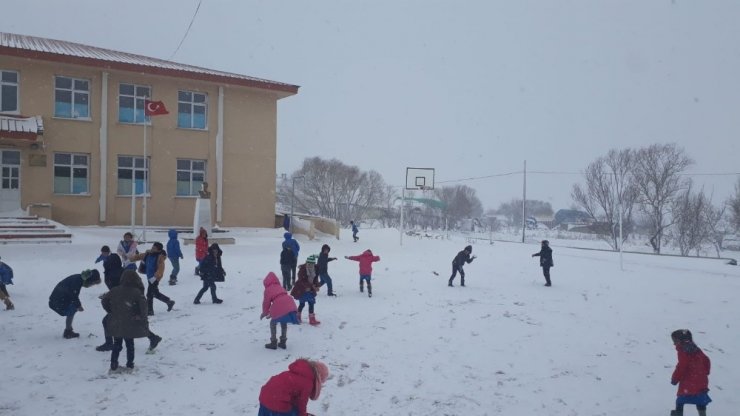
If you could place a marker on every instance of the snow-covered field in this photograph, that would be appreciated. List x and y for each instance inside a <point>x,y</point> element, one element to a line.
<point>596,343</point>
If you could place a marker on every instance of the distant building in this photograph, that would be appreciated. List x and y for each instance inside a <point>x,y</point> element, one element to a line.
<point>72,126</point>
<point>567,218</point>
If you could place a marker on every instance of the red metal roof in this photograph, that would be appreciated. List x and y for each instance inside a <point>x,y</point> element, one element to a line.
<point>75,53</point>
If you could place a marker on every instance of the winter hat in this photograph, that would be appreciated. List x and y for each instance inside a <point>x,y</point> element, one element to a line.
<point>469,249</point>
<point>322,374</point>
<point>311,259</point>
<point>681,335</point>
<point>90,277</point>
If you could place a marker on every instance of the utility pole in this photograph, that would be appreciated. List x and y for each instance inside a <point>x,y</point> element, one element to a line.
<point>524,202</point>
<point>403,202</point>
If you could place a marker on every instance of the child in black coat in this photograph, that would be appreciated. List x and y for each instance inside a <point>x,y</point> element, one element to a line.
<point>458,262</point>
<point>546,262</point>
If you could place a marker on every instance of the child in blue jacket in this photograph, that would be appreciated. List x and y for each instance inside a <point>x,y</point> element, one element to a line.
<point>6,278</point>
<point>174,254</point>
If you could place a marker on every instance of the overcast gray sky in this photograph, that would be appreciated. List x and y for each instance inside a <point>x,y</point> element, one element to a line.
<point>471,88</point>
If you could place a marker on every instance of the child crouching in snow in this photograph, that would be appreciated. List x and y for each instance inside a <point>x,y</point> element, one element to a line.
<point>366,260</point>
<point>306,288</point>
<point>691,374</point>
<point>280,307</point>
<point>287,393</point>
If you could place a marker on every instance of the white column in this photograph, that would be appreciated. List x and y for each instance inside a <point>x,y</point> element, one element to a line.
<point>102,201</point>
<point>220,157</point>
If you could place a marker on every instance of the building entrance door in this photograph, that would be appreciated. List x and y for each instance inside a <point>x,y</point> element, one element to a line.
<point>10,180</point>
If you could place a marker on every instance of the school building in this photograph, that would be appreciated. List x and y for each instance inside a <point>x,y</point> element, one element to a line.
<point>73,128</point>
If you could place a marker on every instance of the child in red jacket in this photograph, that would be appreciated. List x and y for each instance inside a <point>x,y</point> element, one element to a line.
<point>287,393</point>
<point>691,374</point>
<point>201,248</point>
<point>306,288</point>
<point>366,260</point>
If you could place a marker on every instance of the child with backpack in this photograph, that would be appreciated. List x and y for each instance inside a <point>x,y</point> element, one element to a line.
<point>305,289</point>
<point>691,374</point>
<point>366,260</point>
<point>287,393</point>
<point>280,308</point>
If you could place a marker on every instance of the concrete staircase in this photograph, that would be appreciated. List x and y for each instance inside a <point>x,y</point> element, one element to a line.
<point>31,229</point>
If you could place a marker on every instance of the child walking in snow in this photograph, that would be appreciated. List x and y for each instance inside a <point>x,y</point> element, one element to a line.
<point>458,262</point>
<point>323,269</point>
<point>201,248</point>
<point>691,374</point>
<point>366,260</point>
<point>287,393</point>
<point>174,254</point>
<point>6,278</point>
<point>305,289</point>
<point>211,271</point>
<point>153,260</point>
<point>546,262</point>
<point>127,307</point>
<point>280,308</point>
<point>354,231</point>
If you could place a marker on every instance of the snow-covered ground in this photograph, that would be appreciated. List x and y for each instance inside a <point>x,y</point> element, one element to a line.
<point>596,343</point>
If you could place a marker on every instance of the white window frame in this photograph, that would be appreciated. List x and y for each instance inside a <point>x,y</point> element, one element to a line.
<point>190,171</point>
<point>17,85</point>
<point>134,169</point>
<point>72,166</point>
<point>192,103</point>
<point>73,91</point>
<point>147,119</point>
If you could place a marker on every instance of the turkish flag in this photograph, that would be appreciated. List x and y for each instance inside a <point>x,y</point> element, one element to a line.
<point>154,108</point>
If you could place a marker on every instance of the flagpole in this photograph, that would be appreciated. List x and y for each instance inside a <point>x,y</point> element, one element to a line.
<point>144,196</point>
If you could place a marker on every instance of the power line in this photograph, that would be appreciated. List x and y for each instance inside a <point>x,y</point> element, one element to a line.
<point>187,30</point>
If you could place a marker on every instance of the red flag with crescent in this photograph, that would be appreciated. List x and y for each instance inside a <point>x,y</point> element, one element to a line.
<point>154,108</point>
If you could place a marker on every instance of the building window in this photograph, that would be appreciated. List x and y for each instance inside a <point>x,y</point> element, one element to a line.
<point>190,175</point>
<point>132,171</point>
<point>71,97</point>
<point>8,92</point>
<point>131,103</point>
<point>192,108</point>
<point>71,173</point>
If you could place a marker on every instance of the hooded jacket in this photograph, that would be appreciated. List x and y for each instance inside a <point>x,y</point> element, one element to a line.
<point>66,293</point>
<point>173,245</point>
<point>462,258</point>
<point>545,256</point>
<point>6,274</point>
<point>201,245</point>
<point>210,267</point>
<point>692,370</point>
<point>366,260</point>
<point>293,244</point>
<point>113,267</point>
<point>290,389</point>
<point>127,307</point>
<point>276,302</point>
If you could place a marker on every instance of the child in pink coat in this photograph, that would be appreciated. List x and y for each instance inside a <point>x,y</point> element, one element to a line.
<point>366,260</point>
<point>280,307</point>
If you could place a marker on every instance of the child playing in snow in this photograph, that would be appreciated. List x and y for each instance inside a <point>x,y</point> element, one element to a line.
<point>280,307</point>
<point>691,374</point>
<point>305,289</point>
<point>545,255</point>
<point>366,260</point>
<point>174,254</point>
<point>287,393</point>
<point>127,307</point>
<point>201,248</point>
<point>65,298</point>
<point>354,231</point>
<point>458,262</point>
<point>323,269</point>
<point>6,278</point>
<point>127,249</point>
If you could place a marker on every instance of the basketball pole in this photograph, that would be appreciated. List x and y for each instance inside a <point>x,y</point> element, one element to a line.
<point>403,203</point>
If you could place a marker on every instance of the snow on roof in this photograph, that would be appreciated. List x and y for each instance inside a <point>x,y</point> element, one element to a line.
<point>70,52</point>
<point>21,127</point>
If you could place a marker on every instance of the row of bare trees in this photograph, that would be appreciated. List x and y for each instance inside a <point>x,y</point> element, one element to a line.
<point>332,189</point>
<point>651,183</point>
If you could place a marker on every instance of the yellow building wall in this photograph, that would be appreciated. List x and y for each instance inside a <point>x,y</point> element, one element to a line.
<point>250,136</point>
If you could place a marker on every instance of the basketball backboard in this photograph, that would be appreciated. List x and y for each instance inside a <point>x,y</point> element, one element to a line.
<point>419,178</point>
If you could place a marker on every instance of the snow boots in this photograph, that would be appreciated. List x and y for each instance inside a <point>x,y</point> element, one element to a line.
<point>312,319</point>
<point>369,290</point>
<point>272,345</point>
<point>154,340</point>
<point>281,344</point>
<point>107,346</point>
<point>173,280</point>
<point>69,334</point>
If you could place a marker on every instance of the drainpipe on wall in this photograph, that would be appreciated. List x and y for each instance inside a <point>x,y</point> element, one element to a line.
<point>220,157</point>
<point>103,148</point>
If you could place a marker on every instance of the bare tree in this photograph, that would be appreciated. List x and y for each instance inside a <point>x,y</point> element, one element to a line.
<point>690,228</point>
<point>609,184</point>
<point>459,202</point>
<point>716,223</point>
<point>334,190</point>
<point>658,178</point>
<point>734,204</point>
